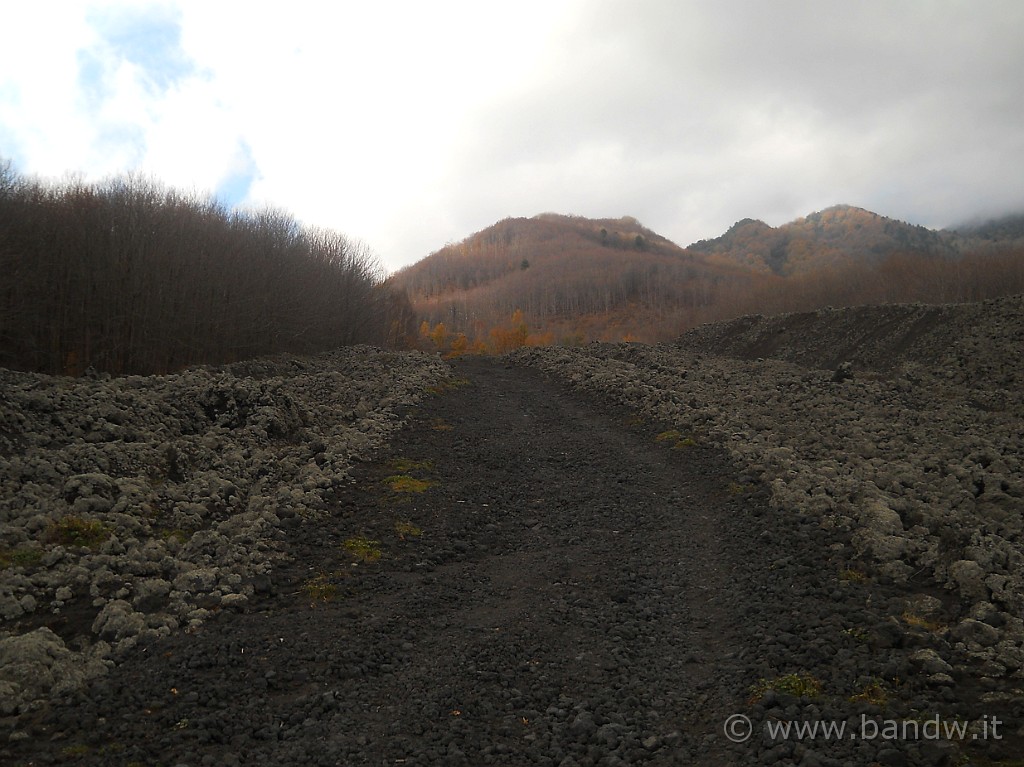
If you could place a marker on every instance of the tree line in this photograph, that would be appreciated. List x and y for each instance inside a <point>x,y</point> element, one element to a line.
<point>696,297</point>
<point>903,277</point>
<point>129,276</point>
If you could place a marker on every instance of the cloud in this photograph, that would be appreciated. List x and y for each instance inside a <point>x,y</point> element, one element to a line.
<point>712,112</point>
<point>408,124</point>
<point>146,38</point>
<point>39,127</point>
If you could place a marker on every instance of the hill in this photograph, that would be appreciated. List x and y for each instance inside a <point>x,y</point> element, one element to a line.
<point>577,279</point>
<point>569,275</point>
<point>830,238</point>
<point>976,345</point>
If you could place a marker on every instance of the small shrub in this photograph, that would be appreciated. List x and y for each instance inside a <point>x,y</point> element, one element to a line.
<point>799,685</point>
<point>407,530</point>
<point>403,483</point>
<point>679,442</point>
<point>177,534</point>
<point>873,693</point>
<point>365,549</point>
<point>76,531</point>
<point>320,588</point>
<point>857,633</point>
<point>450,384</point>
<point>918,621</point>
<point>852,576</point>
<point>23,556</point>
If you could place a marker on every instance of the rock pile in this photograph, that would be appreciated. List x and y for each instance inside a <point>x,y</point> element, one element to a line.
<point>912,456</point>
<point>132,507</point>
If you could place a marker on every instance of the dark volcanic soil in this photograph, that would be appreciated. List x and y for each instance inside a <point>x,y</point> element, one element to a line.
<point>569,591</point>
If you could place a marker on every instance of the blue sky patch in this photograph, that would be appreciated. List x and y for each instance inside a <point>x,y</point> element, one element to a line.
<point>149,38</point>
<point>234,188</point>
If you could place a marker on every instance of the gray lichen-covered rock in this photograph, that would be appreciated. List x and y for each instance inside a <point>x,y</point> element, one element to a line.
<point>38,664</point>
<point>928,661</point>
<point>969,578</point>
<point>975,633</point>
<point>118,620</point>
<point>150,594</point>
<point>168,488</point>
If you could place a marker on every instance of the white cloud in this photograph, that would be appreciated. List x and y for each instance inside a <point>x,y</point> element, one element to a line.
<point>410,124</point>
<point>38,83</point>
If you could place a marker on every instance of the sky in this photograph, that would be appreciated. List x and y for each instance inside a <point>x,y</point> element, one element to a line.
<point>408,125</point>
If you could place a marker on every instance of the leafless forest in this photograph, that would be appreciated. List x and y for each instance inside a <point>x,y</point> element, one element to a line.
<point>128,276</point>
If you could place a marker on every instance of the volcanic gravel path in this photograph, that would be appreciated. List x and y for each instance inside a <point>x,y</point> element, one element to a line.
<point>565,589</point>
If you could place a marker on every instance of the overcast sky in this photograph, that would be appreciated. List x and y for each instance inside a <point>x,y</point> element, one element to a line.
<point>410,124</point>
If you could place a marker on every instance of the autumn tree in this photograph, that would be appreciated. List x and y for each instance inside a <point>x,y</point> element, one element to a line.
<point>459,346</point>
<point>505,338</point>
<point>439,336</point>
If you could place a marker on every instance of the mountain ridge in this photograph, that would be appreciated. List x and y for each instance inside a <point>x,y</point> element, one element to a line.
<point>612,278</point>
<point>824,238</point>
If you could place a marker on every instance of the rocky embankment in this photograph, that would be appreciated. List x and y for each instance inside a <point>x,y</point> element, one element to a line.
<point>134,507</point>
<point>899,429</point>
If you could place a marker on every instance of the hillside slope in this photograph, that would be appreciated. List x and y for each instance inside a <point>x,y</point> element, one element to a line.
<point>997,232</point>
<point>579,279</point>
<point>566,273</point>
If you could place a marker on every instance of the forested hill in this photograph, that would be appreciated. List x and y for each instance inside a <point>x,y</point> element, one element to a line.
<point>585,277</point>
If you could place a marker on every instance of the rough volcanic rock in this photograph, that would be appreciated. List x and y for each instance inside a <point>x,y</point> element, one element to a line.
<point>130,507</point>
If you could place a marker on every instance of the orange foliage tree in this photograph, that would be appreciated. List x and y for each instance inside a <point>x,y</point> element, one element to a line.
<point>500,339</point>
<point>505,338</point>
